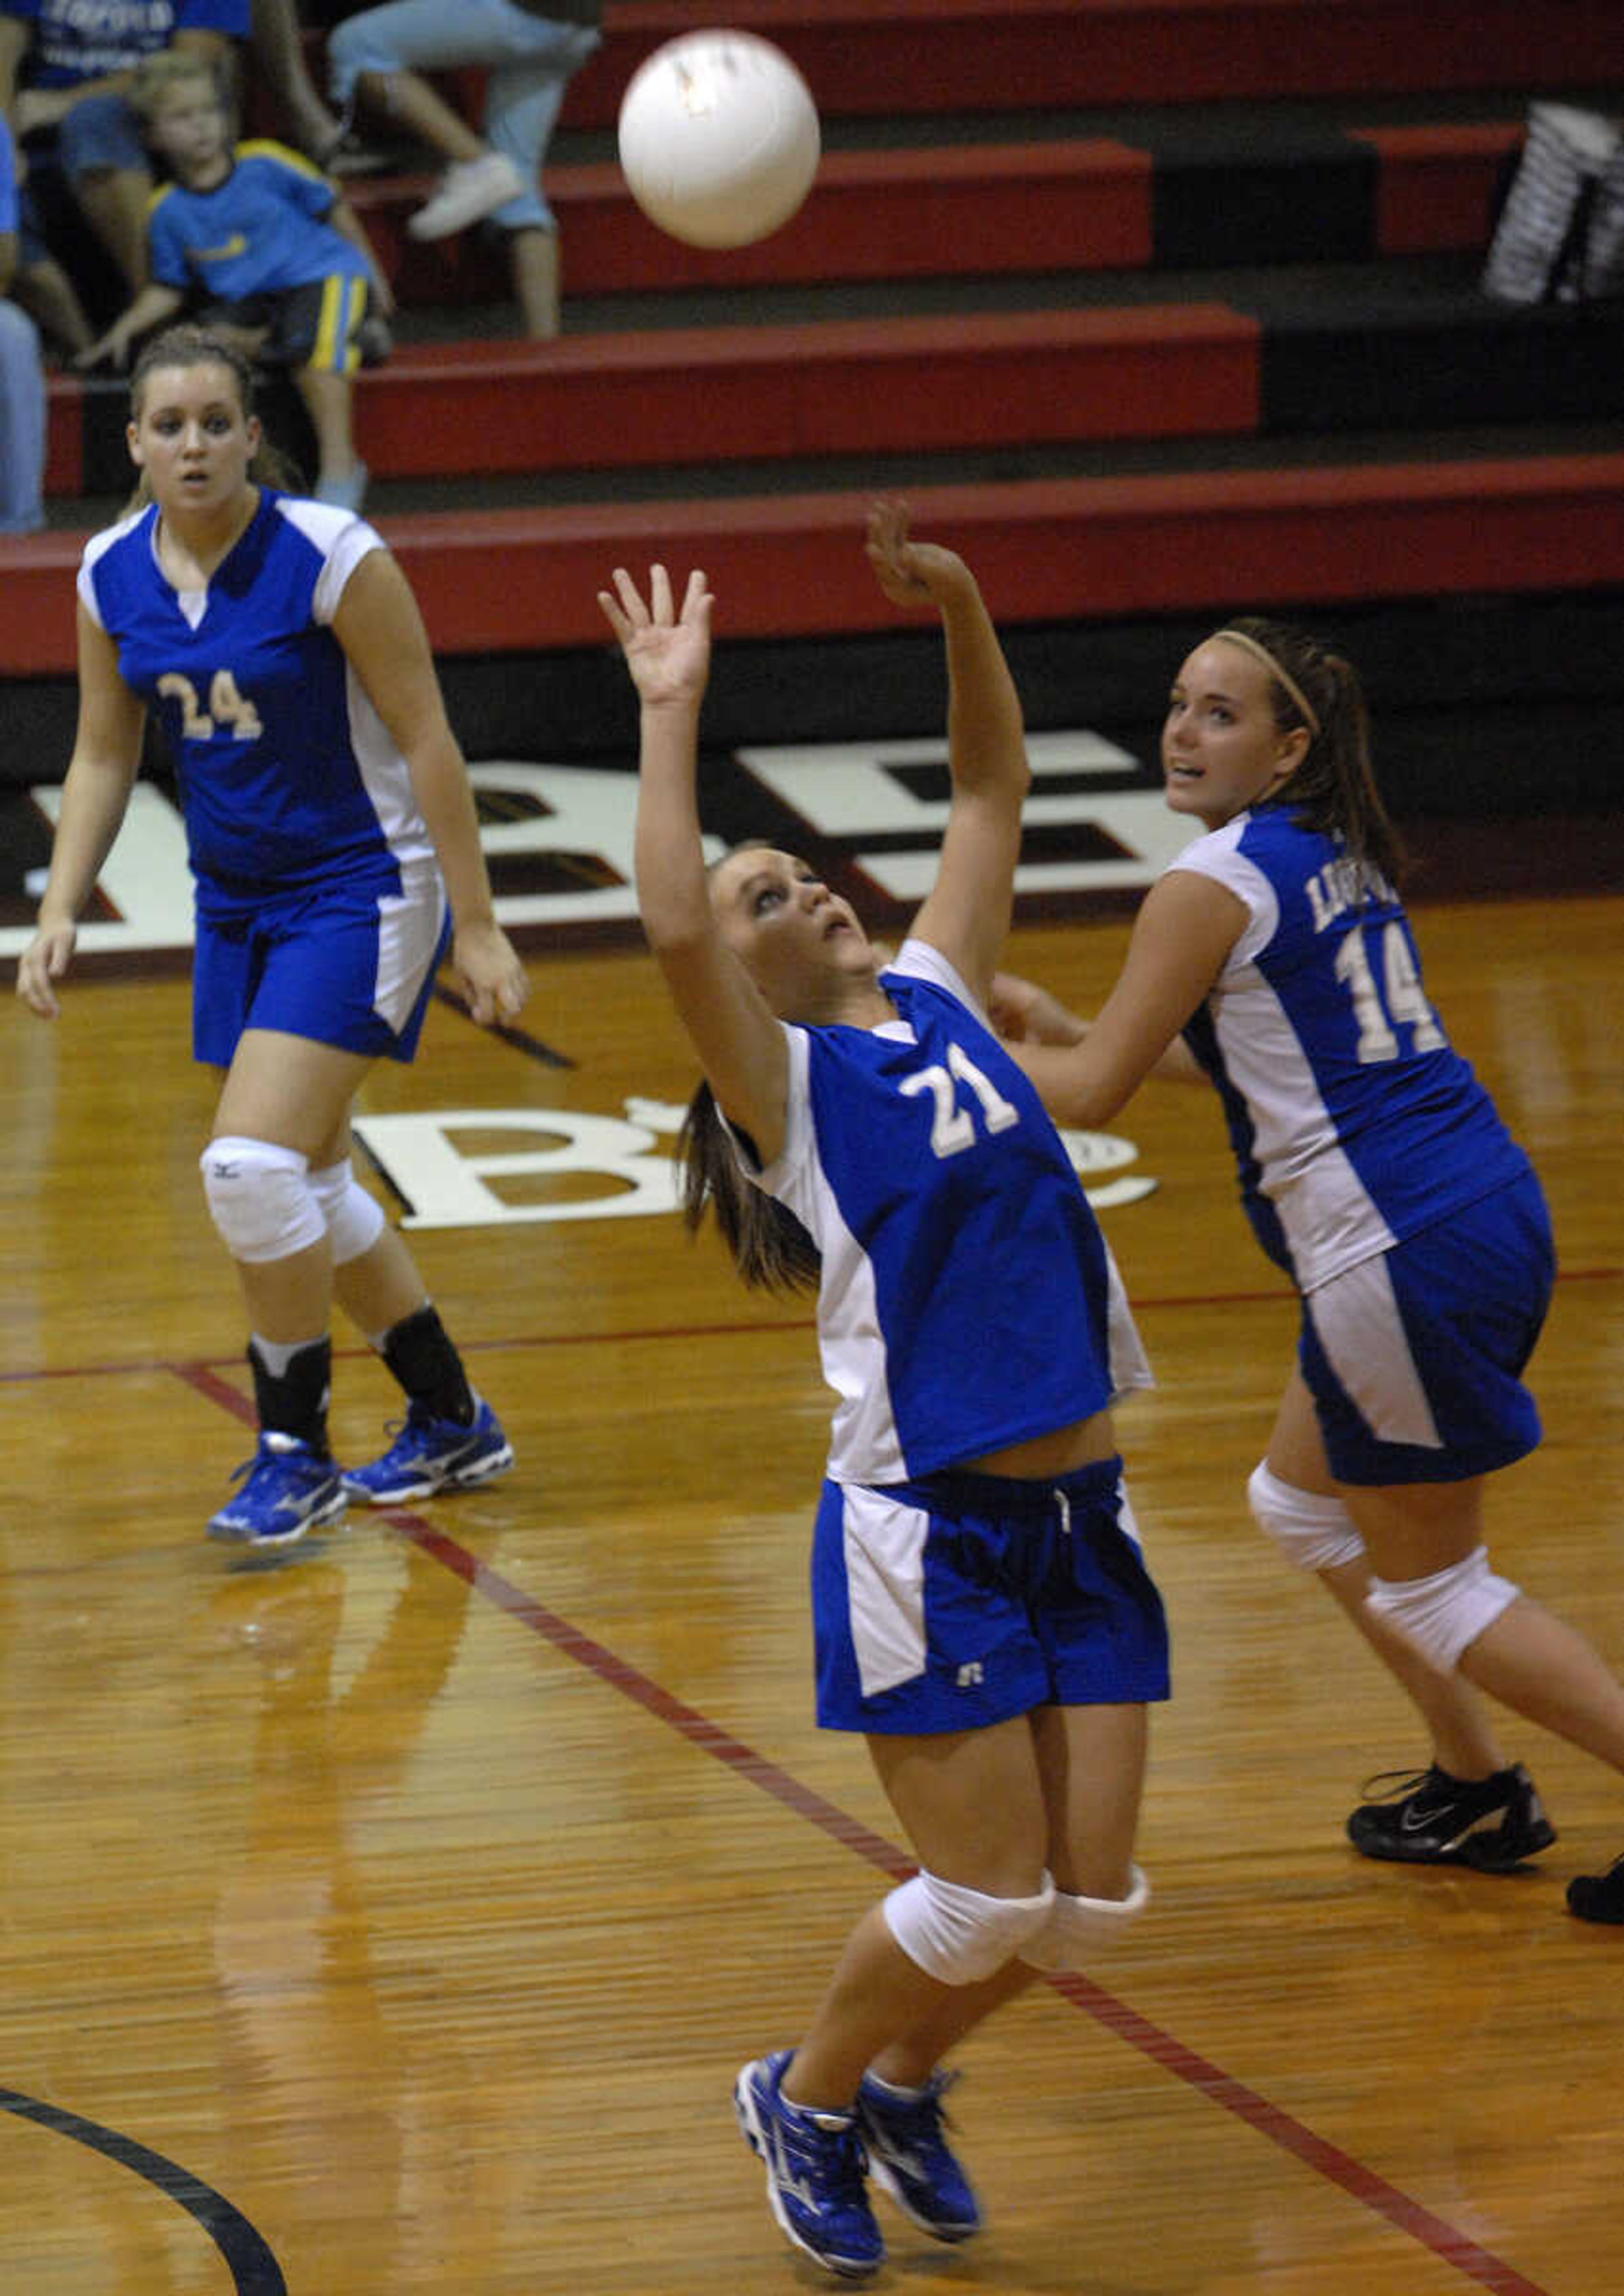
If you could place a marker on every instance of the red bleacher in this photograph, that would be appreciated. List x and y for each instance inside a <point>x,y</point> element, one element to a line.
<point>1071,208</point>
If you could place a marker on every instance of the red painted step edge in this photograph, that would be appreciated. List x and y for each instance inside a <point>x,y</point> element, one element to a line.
<point>725,394</point>
<point>890,57</point>
<point>870,215</point>
<point>845,387</point>
<point>791,565</point>
<point>1435,184</point>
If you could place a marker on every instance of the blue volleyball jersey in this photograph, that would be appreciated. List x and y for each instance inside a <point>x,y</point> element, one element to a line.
<point>261,232</point>
<point>287,775</point>
<point>1353,1119</point>
<point>967,1300</point>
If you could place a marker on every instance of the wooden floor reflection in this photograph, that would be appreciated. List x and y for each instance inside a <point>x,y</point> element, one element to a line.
<point>394,1918</point>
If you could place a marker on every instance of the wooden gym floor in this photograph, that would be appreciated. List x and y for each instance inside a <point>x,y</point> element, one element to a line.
<point>392,1918</point>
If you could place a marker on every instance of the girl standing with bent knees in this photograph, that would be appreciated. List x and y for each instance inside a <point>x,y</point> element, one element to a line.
<point>330,828</point>
<point>981,1610</point>
<point>1376,1171</point>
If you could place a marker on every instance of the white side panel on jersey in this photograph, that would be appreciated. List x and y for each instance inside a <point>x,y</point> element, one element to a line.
<point>96,548</point>
<point>385,778</point>
<point>1329,1216</point>
<point>864,1445</point>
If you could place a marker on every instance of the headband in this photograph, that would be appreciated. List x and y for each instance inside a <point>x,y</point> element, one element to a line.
<point>1240,638</point>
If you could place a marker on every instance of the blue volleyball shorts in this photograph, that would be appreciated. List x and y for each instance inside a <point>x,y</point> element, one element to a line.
<point>1415,1357</point>
<point>343,966</point>
<point>963,1600</point>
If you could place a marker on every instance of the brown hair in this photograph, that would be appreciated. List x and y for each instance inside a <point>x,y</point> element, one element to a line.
<point>1334,788</point>
<point>190,345</point>
<point>771,1249</point>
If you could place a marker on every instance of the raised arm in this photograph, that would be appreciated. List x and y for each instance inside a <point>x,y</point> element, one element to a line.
<point>740,1044</point>
<point>1024,1012</point>
<point>381,632</point>
<point>1185,928</point>
<point>96,792</point>
<point>967,912</point>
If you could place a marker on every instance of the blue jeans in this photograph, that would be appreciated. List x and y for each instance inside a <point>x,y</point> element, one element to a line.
<point>529,61</point>
<point>22,423</point>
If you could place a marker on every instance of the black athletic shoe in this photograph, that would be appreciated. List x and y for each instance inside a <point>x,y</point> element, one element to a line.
<point>1426,1817</point>
<point>1599,1897</point>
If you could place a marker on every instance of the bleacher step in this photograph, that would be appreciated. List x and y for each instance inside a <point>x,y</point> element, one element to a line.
<point>1305,193</point>
<point>521,580</point>
<point>890,57</point>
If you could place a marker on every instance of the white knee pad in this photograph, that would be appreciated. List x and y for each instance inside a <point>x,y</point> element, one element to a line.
<point>1443,1614</point>
<point>354,1220</point>
<point>956,1935</point>
<point>1310,1530</point>
<point>1078,1927</point>
<point>260,1199</point>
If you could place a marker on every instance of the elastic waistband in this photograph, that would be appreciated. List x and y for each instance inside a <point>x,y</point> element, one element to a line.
<point>960,1490</point>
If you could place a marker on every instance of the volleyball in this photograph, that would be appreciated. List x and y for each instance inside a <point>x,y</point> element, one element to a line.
<point>718,138</point>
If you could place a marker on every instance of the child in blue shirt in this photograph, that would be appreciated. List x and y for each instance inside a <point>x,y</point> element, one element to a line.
<point>275,255</point>
<point>65,69</point>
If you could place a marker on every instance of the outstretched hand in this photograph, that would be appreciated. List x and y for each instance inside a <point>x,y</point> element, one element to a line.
<point>911,573</point>
<point>667,651</point>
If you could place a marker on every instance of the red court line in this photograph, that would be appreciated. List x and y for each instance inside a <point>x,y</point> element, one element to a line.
<point>1361,2184</point>
<point>202,1372</point>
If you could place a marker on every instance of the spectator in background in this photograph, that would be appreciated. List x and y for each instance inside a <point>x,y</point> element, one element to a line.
<point>277,53</point>
<point>528,50</point>
<point>276,60</point>
<point>23,388</point>
<point>65,69</point>
<point>277,254</point>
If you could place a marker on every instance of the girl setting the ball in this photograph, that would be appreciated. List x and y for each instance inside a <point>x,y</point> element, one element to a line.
<point>981,1612</point>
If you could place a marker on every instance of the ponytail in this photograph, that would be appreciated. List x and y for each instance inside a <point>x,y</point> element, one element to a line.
<point>770,1248</point>
<point>1333,790</point>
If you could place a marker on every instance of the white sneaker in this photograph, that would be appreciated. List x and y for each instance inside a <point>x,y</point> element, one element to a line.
<point>469,189</point>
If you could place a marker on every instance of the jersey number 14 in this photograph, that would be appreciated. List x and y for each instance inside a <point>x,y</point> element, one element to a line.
<point>1397,1001</point>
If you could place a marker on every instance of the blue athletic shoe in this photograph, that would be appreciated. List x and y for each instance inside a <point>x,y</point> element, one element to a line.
<point>430,1454</point>
<point>288,1491</point>
<point>911,2158</point>
<point>814,2165</point>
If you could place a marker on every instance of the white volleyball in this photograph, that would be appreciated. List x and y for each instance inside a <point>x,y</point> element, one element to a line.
<point>718,138</point>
